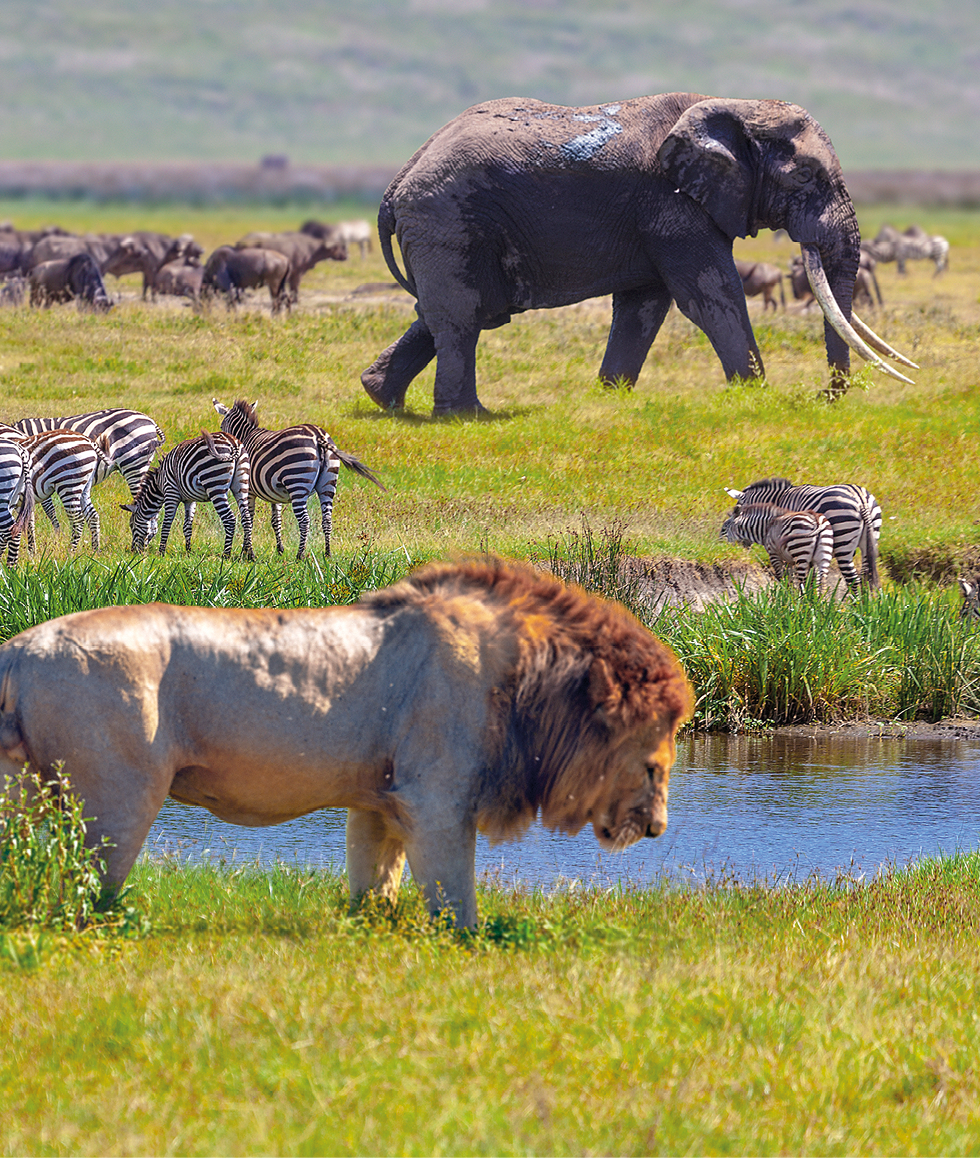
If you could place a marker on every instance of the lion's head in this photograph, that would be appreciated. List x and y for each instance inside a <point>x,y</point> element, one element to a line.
<point>585,719</point>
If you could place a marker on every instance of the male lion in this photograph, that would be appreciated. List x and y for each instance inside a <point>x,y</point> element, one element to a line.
<point>466,697</point>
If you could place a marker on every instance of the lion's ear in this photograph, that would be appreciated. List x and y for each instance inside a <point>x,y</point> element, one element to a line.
<point>603,691</point>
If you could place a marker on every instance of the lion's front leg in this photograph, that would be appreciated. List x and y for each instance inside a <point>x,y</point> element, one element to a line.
<point>443,861</point>
<point>375,856</point>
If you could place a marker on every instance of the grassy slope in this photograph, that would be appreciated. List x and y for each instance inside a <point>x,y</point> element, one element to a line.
<point>341,83</point>
<point>557,445</point>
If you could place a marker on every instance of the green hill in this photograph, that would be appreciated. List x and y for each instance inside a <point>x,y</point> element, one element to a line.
<point>895,84</point>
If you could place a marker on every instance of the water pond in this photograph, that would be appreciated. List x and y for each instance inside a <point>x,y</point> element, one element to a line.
<point>778,808</point>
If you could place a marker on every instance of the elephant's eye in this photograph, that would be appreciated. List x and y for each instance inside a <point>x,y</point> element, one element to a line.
<point>802,175</point>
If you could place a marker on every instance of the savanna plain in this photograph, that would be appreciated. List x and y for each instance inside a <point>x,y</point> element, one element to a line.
<point>229,1008</point>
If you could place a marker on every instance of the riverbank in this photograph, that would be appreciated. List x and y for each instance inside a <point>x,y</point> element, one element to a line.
<point>257,1016</point>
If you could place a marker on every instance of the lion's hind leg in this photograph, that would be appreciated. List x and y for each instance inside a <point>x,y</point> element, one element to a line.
<point>375,856</point>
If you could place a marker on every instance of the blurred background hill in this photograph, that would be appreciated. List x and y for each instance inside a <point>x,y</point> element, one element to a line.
<point>335,82</point>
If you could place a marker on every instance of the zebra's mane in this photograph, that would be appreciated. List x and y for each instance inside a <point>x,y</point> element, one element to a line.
<point>776,482</point>
<point>245,410</point>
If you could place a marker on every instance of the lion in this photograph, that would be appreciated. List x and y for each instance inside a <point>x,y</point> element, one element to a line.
<point>469,696</point>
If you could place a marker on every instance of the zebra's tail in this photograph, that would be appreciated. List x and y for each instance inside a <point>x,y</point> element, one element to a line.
<point>26,510</point>
<point>329,447</point>
<point>869,555</point>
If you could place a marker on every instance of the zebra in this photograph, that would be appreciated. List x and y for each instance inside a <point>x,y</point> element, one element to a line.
<point>133,438</point>
<point>288,466</point>
<point>201,469</point>
<point>66,463</point>
<point>15,482</point>
<point>853,512</point>
<point>801,539</point>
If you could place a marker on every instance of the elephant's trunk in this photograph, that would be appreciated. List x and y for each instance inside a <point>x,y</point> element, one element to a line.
<point>840,333</point>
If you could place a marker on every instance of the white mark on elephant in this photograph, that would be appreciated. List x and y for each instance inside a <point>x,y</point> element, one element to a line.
<point>585,147</point>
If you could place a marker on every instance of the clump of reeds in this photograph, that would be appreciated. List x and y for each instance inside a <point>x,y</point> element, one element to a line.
<point>49,877</point>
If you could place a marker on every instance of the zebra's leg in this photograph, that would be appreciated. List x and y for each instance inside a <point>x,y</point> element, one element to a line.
<point>189,510</point>
<point>72,502</point>
<point>326,490</point>
<point>302,513</point>
<point>848,571</point>
<point>277,526</point>
<point>227,516</point>
<point>47,505</point>
<point>169,514</point>
<point>326,518</point>
<point>245,514</point>
<point>91,515</point>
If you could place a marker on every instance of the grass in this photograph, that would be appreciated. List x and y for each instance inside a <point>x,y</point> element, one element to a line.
<point>259,1017</point>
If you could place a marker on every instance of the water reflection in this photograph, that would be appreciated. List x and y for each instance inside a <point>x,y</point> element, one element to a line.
<point>778,807</point>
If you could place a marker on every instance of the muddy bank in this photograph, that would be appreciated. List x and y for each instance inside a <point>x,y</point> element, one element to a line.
<point>680,583</point>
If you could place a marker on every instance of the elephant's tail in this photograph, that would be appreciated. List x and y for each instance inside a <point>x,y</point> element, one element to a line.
<point>386,230</point>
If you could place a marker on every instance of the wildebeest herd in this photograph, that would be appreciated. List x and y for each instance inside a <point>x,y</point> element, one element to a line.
<point>51,265</point>
<point>765,278</point>
<point>66,456</point>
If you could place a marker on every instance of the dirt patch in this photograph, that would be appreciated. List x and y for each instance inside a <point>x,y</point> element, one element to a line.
<point>680,583</point>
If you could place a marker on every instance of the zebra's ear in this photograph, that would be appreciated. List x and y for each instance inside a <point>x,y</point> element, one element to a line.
<point>736,495</point>
<point>255,404</point>
<point>127,507</point>
<point>222,410</point>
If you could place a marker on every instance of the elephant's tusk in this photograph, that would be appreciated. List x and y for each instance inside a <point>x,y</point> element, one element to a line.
<point>877,343</point>
<point>833,313</point>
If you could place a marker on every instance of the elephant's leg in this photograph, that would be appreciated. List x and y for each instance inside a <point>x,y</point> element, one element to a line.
<point>455,385</point>
<point>636,321</point>
<point>387,379</point>
<point>709,292</point>
<point>375,856</point>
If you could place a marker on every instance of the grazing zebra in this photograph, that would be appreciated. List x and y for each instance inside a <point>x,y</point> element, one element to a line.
<point>803,540</point>
<point>852,511</point>
<point>202,469</point>
<point>288,466</point>
<point>15,482</point>
<point>67,464</point>
<point>133,438</point>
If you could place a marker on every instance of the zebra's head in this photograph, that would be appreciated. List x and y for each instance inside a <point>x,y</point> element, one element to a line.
<point>238,420</point>
<point>144,510</point>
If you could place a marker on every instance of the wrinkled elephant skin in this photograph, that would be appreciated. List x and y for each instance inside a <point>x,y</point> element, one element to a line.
<point>518,205</point>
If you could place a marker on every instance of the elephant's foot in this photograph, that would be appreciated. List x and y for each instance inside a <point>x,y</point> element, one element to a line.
<point>387,379</point>
<point>470,410</point>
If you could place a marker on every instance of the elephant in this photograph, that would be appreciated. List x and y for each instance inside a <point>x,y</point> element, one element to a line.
<point>760,277</point>
<point>517,205</point>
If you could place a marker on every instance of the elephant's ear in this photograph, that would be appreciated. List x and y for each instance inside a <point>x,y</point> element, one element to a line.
<point>709,156</point>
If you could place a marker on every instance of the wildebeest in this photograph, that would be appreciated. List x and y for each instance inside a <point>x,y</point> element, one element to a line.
<point>54,247</point>
<point>146,252</point>
<point>229,271</point>
<point>301,250</point>
<point>69,279</point>
<point>180,278</point>
<point>359,233</point>
<point>760,277</point>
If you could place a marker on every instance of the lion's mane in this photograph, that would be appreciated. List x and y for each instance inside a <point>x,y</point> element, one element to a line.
<point>587,674</point>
